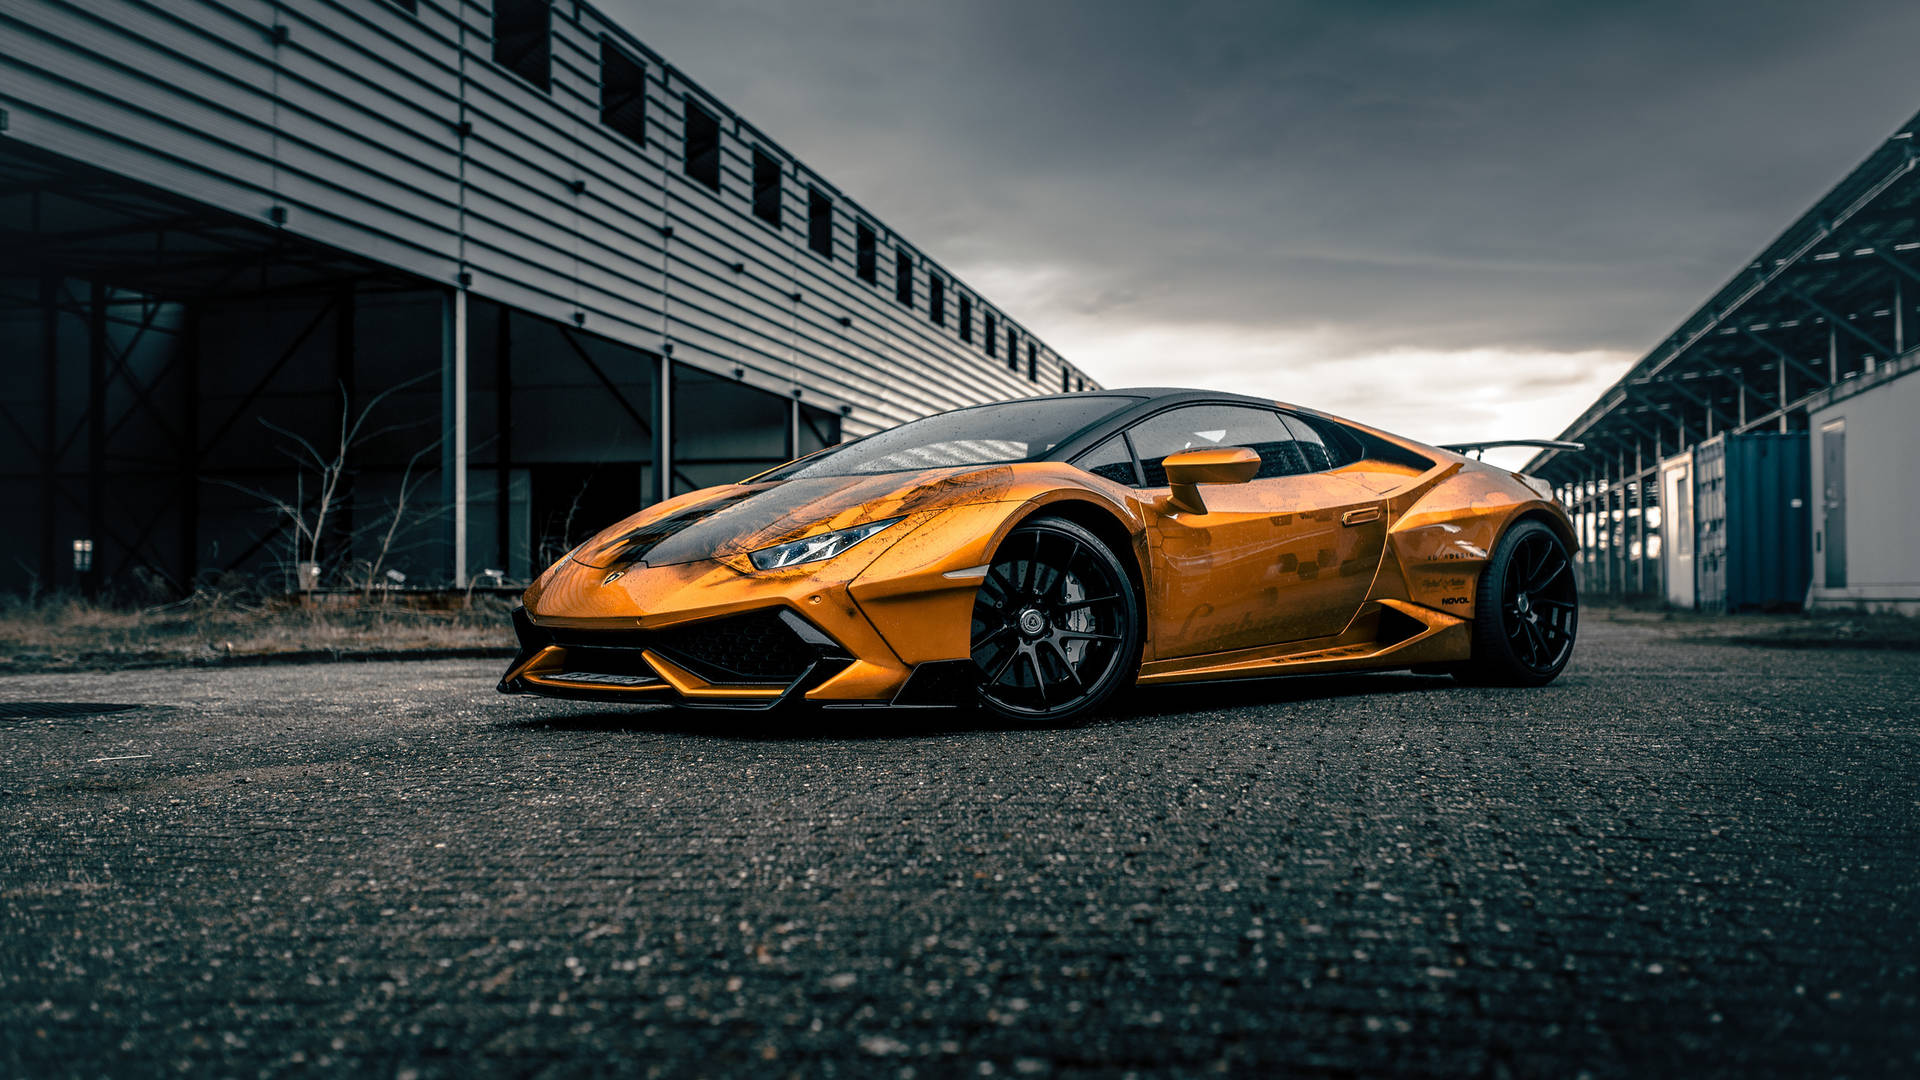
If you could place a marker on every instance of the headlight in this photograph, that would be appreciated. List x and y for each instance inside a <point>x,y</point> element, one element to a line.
<point>815,548</point>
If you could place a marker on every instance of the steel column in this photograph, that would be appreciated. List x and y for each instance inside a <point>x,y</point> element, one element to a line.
<point>1598,569</point>
<point>1603,498</point>
<point>663,430</point>
<point>49,428</point>
<point>1593,529</point>
<point>190,446</point>
<point>96,429</point>
<point>1782,372</point>
<point>503,434</point>
<point>1590,539</point>
<point>1618,541</point>
<point>1640,524</point>
<point>1603,520</point>
<point>1596,566</point>
<point>453,430</point>
<point>1899,316</point>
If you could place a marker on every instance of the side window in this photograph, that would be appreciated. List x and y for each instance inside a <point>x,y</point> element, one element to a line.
<point>1312,448</point>
<point>1110,461</point>
<point>1341,446</point>
<point>1199,427</point>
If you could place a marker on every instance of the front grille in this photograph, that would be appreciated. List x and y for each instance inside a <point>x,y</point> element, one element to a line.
<point>606,661</point>
<point>758,647</point>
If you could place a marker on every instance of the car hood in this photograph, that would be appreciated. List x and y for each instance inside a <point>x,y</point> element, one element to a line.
<point>734,519</point>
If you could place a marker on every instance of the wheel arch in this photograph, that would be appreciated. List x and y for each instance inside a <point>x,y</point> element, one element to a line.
<point>1492,661</point>
<point>1109,528</point>
<point>1537,512</point>
<point>1556,521</point>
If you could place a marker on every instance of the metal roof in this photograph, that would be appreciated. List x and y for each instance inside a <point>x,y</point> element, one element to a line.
<point>1831,273</point>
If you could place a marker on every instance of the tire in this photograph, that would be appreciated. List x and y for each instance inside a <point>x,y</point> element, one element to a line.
<point>1056,625</point>
<point>1526,611</point>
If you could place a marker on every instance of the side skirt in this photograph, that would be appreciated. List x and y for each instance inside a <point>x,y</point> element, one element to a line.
<point>1432,638</point>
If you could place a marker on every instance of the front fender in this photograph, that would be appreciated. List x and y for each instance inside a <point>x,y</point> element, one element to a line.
<point>919,593</point>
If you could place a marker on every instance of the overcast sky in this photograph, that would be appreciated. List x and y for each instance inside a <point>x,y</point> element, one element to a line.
<point>1453,220</point>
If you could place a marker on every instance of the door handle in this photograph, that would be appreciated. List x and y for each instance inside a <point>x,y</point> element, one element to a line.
<point>1361,516</point>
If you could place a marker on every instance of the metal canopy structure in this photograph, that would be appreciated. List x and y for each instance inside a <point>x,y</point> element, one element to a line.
<point>1830,299</point>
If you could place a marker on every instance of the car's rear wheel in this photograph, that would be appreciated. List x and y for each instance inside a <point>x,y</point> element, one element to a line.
<point>1056,624</point>
<point>1526,612</point>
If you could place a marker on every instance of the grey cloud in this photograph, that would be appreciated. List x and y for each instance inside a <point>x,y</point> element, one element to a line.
<point>1525,175</point>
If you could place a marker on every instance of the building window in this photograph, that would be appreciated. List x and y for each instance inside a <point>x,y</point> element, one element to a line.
<point>703,146</point>
<point>623,92</point>
<point>1033,364</point>
<point>866,258</point>
<point>903,278</point>
<point>766,187</point>
<point>966,318</point>
<point>1080,384</point>
<point>1066,382</point>
<point>523,39</point>
<point>1013,349</point>
<point>937,299</point>
<point>819,223</point>
<point>992,336</point>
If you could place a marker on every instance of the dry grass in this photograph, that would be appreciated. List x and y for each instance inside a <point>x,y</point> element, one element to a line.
<point>65,634</point>
<point>69,634</point>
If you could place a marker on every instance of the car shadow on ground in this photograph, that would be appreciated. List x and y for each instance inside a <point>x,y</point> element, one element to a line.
<point>1140,705</point>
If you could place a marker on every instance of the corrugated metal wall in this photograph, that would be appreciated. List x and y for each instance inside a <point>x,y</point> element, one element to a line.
<point>393,135</point>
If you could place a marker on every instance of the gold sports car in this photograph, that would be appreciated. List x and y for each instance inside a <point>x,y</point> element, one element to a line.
<point>1036,557</point>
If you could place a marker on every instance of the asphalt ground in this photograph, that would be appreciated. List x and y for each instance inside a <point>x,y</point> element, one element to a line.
<point>1680,859</point>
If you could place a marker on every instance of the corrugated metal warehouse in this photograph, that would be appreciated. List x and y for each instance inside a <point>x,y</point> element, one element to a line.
<point>534,273</point>
<point>1679,495</point>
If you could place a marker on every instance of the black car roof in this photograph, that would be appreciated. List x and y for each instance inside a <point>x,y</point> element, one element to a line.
<point>1150,399</point>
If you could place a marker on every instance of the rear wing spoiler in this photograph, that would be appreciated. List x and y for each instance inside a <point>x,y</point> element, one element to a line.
<point>1495,444</point>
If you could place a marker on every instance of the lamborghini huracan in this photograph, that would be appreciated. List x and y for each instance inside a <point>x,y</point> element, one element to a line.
<point>1036,557</point>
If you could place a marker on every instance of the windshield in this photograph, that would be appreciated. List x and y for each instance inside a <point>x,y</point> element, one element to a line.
<point>983,435</point>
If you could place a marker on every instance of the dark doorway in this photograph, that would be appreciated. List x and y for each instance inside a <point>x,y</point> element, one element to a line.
<point>572,502</point>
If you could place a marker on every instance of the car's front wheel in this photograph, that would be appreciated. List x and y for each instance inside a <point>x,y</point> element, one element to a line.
<point>1056,624</point>
<point>1526,613</point>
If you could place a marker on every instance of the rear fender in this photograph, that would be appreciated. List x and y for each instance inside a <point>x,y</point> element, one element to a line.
<point>1442,541</point>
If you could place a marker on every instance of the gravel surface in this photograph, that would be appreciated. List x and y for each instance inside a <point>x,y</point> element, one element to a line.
<point>1679,859</point>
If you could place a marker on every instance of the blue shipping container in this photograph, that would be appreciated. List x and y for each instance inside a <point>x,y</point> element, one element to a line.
<point>1751,493</point>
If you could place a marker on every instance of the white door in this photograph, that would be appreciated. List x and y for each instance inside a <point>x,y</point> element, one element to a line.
<point>1676,529</point>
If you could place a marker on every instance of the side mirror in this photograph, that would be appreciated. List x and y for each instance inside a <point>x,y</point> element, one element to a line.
<point>1191,468</point>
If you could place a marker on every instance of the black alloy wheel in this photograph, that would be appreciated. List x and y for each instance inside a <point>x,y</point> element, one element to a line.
<point>1056,624</point>
<point>1527,610</point>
